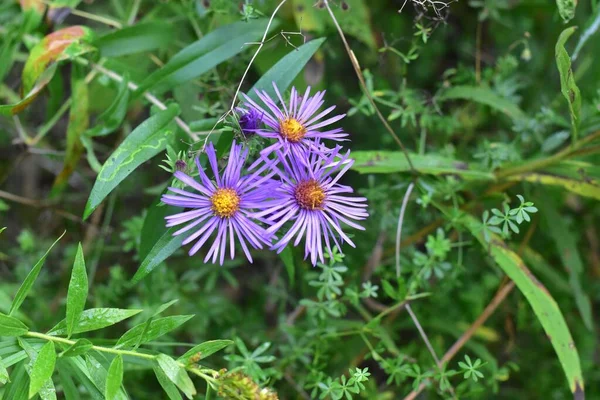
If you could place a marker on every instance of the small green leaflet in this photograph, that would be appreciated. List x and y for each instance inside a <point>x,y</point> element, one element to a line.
<point>147,140</point>
<point>30,279</point>
<point>81,346</point>
<point>566,9</point>
<point>94,319</point>
<point>10,326</point>
<point>204,350</point>
<point>43,367</point>
<point>114,378</point>
<point>176,374</point>
<point>78,291</point>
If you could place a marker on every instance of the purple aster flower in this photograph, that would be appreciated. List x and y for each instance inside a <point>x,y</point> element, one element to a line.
<point>312,197</point>
<point>224,206</point>
<point>295,125</point>
<point>250,121</point>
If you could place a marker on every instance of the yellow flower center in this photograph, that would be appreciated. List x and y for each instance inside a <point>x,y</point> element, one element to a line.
<point>225,203</point>
<point>292,130</point>
<point>310,195</point>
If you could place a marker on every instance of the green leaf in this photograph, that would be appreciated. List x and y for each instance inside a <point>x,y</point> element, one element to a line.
<point>81,346</point>
<point>164,247</point>
<point>76,367</point>
<point>40,84</point>
<point>592,26</point>
<point>77,293</point>
<point>19,384</point>
<point>3,373</point>
<point>43,367</point>
<point>568,87</point>
<point>287,256</point>
<point>204,350</point>
<point>156,328</point>
<point>114,378</point>
<point>66,43</point>
<point>139,38</point>
<point>385,162</point>
<point>566,9</point>
<point>168,386</point>
<point>581,185</point>
<point>285,70</point>
<point>30,279</point>
<point>483,95</point>
<point>147,140</point>
<point>94,319</point>
<point>176,374</point>
<point>219,45</point>
<point>544,306</point>
<point>154,226</point>
<point>78,124</point>
<point>110,120</point>
<point>10,326</point>
<point>566,245</point>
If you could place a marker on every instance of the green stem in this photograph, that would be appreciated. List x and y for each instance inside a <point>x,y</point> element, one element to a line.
<point>209,393</point>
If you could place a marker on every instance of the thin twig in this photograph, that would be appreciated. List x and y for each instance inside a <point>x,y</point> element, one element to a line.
<point>363,85</point>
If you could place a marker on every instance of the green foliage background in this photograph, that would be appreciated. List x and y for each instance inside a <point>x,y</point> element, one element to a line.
<point>496,105</point>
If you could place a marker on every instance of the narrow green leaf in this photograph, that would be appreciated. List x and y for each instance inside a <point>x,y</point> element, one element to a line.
<point>566,245</point>
<point>10,326</point>
<point>69,389</point>
<point>176,374</point>
<point>110,120</point>
<point>385,162</point>
<point>76,367</point>
<point>78,124</point>
<point>40,84</point>
<point>94,319</point>
<point>566,9</point>
<point>77,293</point>
<point>3,373</point>
<point>114,378</point>
<point>591,28</point>
<point>156,328</point>
<point>205,54</point>
<point>204,350</point>
<point>168,386</point>
<point>285,70</point>
<point>43,367</point>
<point>568,87</point>
<point>147,140</point>
<point>154,226</point>
<point>581,185</point>
<point>139,38</point>
<point>18,386</point>
<point>164,247</point>
<point>30,279</point>
<point>80,347</point>
<point>287,256</point>
<point>544,306</point>
<point>483,95</point>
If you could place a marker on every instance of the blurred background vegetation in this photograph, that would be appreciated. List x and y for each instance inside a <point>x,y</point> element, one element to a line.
<point>487,100</point>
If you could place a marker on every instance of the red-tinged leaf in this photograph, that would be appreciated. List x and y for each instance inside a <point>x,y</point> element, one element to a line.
<point>63,44</point>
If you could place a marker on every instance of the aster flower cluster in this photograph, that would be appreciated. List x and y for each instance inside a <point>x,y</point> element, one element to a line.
<point>291,193</point>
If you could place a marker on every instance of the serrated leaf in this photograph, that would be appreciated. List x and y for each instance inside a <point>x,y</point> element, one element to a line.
<point>10,326</point>
<point>483,95</point>
<point>205,54</point>
<point>385,162</point>
<point>94,319</point>
<point>176,374</point>
<point>77,293</point>
<point>285,70</point>
<point>566,9</point>
<point>30,279</point>
<point>541,301</point>
<point>78,123</point>
<point>568,87</point>
<point>147,140</point>
<point>204,350</point>
<point>164,247</point>
<point>42,369</point>
<point>144,333</point>
<point>80,347</point>
<point>138,38</point>
<point>114,378</point>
